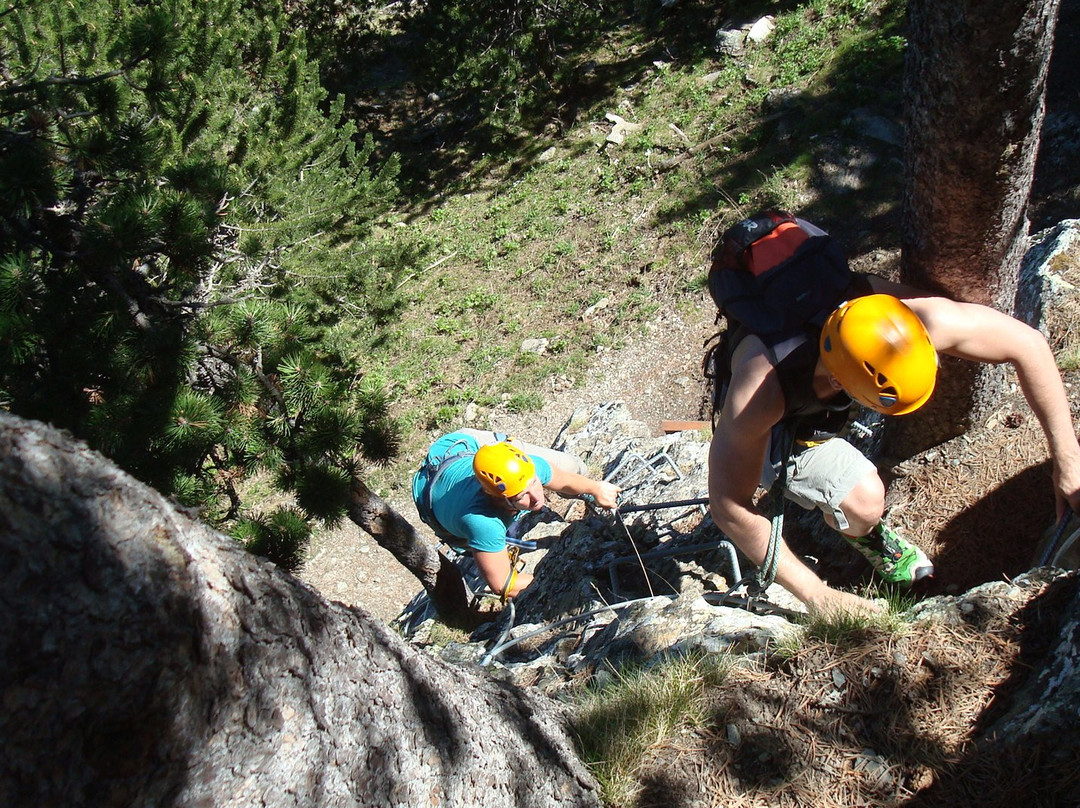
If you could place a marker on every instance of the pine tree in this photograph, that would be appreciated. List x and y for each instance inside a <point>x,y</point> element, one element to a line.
<point>181,211</point>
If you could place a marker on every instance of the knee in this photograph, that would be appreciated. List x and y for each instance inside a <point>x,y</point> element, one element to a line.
<point>864,505</point>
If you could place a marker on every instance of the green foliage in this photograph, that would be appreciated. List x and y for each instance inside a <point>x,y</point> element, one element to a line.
<point>281,537</point>
<point>321,490</point>
<point>505,59</point>
<point>525,402</point>
<point>183,213</point>
<point>195,425</point>
<point>848,630</point>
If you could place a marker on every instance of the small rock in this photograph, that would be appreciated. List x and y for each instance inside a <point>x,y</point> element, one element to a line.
<point>761,30</point>
<point>620,129</point>
<point>731,42</point>
<point>733,736</point>
<point>602,303</point>
<point>877,127</point>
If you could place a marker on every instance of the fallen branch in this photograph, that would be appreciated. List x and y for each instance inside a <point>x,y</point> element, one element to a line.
<point>704,145</point>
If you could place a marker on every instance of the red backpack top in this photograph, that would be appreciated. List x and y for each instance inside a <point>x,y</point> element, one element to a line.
<point>776,275</point>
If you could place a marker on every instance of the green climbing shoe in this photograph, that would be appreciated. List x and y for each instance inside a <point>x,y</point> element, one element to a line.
<point>894,559</point>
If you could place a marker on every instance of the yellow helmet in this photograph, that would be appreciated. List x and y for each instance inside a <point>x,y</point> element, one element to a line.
<point>502,469</point>
<point>879,351</point>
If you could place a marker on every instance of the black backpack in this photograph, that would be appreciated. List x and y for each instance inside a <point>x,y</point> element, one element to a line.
<point>775,276</point>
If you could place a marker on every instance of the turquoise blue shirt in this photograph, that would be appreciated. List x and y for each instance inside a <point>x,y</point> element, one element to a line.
<point>459,501</point>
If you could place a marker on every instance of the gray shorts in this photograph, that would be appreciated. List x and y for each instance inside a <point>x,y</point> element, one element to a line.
<point>822,476</point>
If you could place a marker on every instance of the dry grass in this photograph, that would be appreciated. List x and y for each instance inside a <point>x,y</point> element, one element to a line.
<point>980,503</point>
<point>871,722</point>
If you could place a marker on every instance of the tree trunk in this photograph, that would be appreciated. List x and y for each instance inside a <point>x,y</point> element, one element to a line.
<point>147,660</point>
<point>439,576</point>
<point>975,84</point>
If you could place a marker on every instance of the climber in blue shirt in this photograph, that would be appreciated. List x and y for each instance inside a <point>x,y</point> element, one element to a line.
<point>474,484</point>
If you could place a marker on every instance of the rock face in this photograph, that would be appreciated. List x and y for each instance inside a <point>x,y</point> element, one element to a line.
<point>592,606</point>
<point>653,580</point>
<point>1048,705</point>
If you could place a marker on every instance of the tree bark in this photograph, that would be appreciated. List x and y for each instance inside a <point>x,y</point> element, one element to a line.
<point>148,660</point>
<point>975,85</point>
<point>439,576</point>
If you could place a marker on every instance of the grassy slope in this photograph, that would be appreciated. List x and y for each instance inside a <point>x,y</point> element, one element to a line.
<point>522,244</point>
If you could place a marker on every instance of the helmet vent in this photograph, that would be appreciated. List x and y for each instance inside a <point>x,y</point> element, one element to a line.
<point>880,379</point>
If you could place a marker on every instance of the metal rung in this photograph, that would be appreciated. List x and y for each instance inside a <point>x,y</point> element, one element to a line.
<point>645,468</point>
<point>722,544</point>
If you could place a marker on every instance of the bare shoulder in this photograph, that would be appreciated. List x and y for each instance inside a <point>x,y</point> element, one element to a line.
<point>965,330</point>
<point>755,399</point>
<point>751,358</point>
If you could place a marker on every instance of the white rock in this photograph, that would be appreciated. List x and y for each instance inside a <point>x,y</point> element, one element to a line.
<point>761,30</point>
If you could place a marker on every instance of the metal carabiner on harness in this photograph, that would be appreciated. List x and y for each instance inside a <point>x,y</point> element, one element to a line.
<point>517,564</point>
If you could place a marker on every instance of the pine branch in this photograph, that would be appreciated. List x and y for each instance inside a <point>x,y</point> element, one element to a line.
<point>12,9</point>
<point>227,485</point>
<point>145,308</point>
<point>256,369</point>
<point>73,81</point>
<point>25,235</point>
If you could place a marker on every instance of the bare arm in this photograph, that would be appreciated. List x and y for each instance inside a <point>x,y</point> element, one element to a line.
<point>982,334</point>
<point>570,484</point>
<point>754,404</point>
<point>495,567</point>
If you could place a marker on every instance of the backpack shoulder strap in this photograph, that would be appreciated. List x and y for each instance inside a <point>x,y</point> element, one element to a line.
<point>432,471</point>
